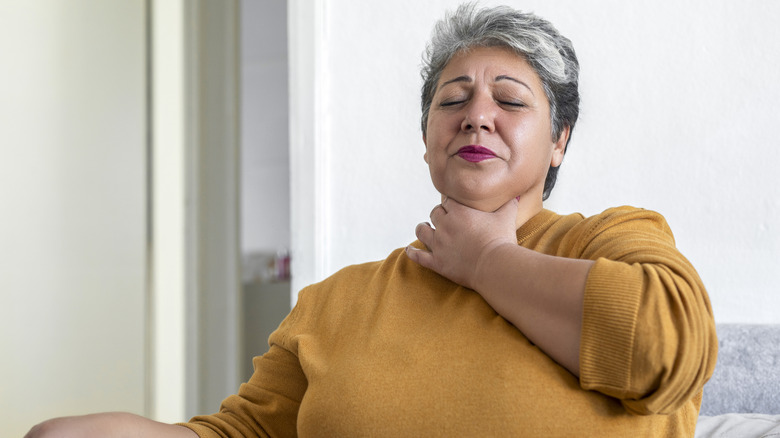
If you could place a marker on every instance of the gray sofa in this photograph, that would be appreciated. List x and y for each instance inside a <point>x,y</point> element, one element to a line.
<point>743,397</point>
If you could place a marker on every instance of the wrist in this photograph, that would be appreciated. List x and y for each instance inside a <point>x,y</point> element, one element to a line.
<point>488,265</point>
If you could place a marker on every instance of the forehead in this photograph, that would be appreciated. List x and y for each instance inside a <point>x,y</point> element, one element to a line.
<point>490,61</point>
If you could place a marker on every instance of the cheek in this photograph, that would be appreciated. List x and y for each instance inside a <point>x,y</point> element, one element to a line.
<point>440,126</point>
<point>434,145</point>
<point>532,141</point>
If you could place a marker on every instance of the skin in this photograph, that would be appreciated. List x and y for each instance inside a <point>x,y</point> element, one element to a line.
<point>109,424</point>
<point>491,97</point>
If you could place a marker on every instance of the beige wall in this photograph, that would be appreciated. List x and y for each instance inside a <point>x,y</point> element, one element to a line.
<point>119,271</point>
<point>72,190</point>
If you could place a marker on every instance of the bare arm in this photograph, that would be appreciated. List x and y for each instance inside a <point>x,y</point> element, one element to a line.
<point>541,295</point>
<point>107,425</point>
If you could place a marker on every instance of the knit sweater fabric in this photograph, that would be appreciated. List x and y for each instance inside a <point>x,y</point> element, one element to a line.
<point>390,348</point>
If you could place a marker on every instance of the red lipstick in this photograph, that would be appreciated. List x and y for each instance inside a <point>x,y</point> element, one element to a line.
<point>475,153</point>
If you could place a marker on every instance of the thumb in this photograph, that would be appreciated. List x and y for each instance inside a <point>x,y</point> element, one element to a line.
<point>420,256</point>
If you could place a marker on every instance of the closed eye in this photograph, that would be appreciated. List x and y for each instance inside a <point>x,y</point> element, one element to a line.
<point>513,104</point>
<point>451,103</point>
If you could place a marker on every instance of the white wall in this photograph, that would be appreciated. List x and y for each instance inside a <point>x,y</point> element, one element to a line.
<point>679,105</point>
<point>73,196</point>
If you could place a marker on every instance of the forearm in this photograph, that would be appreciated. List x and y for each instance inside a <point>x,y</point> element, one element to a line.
<point>107,425</point>
<point>539,294</point>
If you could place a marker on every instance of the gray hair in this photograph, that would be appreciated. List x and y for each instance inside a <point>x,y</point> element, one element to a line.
<point>548,52</point>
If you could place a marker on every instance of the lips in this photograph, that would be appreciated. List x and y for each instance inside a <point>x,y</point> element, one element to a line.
<point>475,154</point>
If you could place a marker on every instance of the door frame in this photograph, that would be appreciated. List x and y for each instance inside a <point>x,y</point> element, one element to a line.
<point>193,321</point>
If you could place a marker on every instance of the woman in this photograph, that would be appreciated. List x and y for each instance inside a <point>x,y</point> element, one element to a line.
<point>504,319</point>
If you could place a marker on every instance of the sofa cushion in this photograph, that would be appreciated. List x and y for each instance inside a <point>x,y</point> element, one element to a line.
<point>738,426</point>
<point>747,374</point>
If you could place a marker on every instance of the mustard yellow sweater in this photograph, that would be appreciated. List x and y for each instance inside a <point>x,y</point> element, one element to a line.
<point>392,349</point>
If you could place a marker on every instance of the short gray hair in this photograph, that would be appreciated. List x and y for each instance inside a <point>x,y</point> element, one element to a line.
<point>548,52</point>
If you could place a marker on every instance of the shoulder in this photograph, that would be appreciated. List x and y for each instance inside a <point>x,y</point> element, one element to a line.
<point>328,307</point>
<point>359,285</point>
<point>628,219</point>
<point>353,294</point>
<point>617,229</point>
<point>362,274</point>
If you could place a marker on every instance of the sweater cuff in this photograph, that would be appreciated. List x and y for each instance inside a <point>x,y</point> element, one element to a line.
<point>612,295</point>
<point>203,432</point>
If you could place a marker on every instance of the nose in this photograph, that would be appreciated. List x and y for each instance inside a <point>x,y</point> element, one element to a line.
<point>480,115</point>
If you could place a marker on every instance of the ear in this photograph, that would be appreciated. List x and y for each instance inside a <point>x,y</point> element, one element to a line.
<point>425,142</point>
<point>559,147</point>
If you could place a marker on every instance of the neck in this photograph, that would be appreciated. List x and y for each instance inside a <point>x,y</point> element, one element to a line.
<point>526,210</point>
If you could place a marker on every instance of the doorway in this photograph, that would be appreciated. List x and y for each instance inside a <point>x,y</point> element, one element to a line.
<point>265,174</point>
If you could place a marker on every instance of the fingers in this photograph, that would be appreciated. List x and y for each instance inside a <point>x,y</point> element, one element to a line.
<point>448,205</point>
<point>424,232</point>
<point>424,257</point>
<point>437,212</point>
<point>419,256</point>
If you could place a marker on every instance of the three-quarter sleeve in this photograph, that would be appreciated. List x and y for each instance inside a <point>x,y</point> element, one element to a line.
<point>648,334</point>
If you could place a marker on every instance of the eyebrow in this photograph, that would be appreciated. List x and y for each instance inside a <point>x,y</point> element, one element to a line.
<point>468,79</point>
<point>463,78</point>
<point>510,78</point>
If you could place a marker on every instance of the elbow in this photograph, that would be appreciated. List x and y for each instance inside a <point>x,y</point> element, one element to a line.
<point>673,368</point>
<point>654,349</point>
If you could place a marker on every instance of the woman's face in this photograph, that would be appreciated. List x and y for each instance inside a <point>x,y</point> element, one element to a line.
<point>489,133</point>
